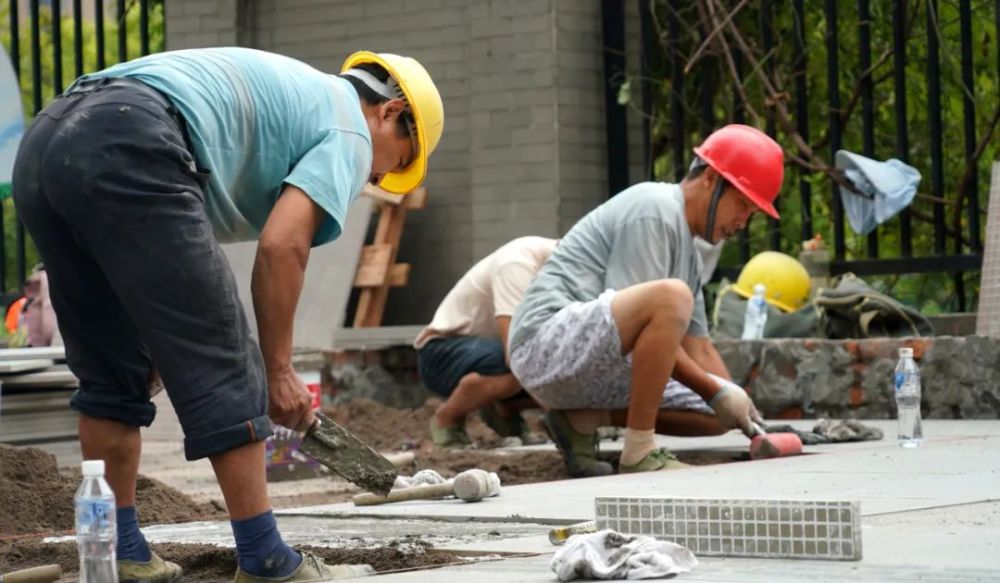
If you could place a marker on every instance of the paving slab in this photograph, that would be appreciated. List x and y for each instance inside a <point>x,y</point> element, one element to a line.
<point>954,466</point>
<point>929,514</point>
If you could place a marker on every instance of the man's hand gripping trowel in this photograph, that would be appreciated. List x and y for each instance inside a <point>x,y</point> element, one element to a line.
<point>339,449</point>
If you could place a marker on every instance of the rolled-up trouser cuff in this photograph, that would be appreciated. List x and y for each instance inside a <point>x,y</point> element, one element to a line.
<point>114,406</point>
<point>231,437</point>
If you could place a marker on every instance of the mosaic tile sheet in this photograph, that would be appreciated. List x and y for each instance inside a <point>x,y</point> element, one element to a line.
<point>741,528</point>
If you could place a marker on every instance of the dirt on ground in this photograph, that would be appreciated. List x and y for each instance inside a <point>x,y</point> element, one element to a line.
<point>389,429</point>
<point>36,496</point>
<point>211,564</point>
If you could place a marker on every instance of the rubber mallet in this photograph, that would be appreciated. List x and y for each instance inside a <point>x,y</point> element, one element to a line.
<point>770,445</point>
<point>471,486</point>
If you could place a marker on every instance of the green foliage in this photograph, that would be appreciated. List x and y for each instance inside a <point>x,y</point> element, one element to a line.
<point>708,87</point>
<point>49,88</point>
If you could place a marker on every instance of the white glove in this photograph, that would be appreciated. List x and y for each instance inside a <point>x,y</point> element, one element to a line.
<point>734,408</point>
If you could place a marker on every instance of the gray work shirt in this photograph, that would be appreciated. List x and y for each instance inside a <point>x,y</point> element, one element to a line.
<point>639,235</point>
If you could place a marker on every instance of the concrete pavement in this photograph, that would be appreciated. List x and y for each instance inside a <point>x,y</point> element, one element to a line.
<point>928,514</point>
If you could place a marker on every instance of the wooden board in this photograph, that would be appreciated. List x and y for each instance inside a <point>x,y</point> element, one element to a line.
<point>329,278</point>
<point>22,366</point>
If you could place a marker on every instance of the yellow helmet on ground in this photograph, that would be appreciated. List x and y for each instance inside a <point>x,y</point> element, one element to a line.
<point>424,102</point>
<point>786,280</point>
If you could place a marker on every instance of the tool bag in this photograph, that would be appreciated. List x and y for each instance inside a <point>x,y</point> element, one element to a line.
<point>853,309</point>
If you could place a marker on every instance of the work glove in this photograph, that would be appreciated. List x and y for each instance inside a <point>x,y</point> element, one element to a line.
<point>734,408</point>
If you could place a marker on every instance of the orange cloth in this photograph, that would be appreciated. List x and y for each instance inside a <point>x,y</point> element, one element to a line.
<point>14,315</point>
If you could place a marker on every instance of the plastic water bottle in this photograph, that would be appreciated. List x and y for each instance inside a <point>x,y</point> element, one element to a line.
<point>756,315</point>
<point>911,434</point>
<point>96,527</point>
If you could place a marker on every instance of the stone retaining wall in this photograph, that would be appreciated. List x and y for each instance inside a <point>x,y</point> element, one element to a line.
<point>788,378</point>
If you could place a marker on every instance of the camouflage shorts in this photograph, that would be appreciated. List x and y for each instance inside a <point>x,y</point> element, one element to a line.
<point>575,361</point>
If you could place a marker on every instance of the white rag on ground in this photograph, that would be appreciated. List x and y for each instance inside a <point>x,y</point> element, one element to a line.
<point>611,555</point>
<point>421,478</point>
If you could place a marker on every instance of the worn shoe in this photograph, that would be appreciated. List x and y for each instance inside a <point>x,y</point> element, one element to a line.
<point>579,450</point>
<point>454,437</point>
<point>312,569</point>
<point>657,460</point>
<point>511,426</point>
<point>155,570</point>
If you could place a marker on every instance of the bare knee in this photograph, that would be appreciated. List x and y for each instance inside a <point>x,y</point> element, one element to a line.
<point>499,386</point>
<point>671,297</point>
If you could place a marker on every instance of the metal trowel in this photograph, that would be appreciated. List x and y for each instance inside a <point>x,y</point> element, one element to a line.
<point>341,451</point>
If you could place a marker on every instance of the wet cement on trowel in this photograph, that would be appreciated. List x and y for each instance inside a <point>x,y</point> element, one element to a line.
<point>338,449</point>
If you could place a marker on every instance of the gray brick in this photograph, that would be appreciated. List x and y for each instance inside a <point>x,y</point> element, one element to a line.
<point>535,208</point>
<point>491,138</point>
<point>180,26</point>
<point>495,175</point>
<point>217,23</point>
<point>198,40</point>
<point>494,100</point>
<point>534,135</point>
<point>422,5</point>
<point>493,211</point>
<point>304,33</point>
<point>490,28</point>
<point>533,7</point>
<point>536,153</point>
<point>205,7</point>
<point>503,156</point>
<point>534,60</point>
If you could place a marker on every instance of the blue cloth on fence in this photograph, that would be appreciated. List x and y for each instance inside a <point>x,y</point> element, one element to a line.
<point>887,187</point>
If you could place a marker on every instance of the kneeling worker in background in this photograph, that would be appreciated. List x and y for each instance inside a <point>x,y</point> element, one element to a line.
<point>461,354</point>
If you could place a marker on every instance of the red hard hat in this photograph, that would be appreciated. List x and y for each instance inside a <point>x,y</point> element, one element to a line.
<point>749,159</point>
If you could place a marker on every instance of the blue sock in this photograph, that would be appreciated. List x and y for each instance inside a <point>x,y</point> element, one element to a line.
<point>132,545</point>
<point>260,550</point>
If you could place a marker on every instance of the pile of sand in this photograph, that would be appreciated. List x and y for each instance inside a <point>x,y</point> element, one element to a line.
<point>36,496</point>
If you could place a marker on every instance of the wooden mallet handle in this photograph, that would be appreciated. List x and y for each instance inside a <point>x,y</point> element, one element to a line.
<point>45,574</point>
<point>415,493</point>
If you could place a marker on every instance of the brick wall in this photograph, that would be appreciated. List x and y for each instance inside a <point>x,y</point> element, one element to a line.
<point>988,318</point>
<point>523,147</point>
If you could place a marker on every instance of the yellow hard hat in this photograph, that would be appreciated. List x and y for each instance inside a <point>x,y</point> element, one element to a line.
<point>424,102</point>
<point>786,280</point>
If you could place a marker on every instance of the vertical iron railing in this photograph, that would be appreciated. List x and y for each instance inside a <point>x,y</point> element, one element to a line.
<point>876,119</point>
<point>99,32</point>
<point>616,126</point>
<point>802,114</point>
<point>833,98</point>
<point>676,89</point>
<point>767,37</point>
<point>934,121</point>
<point>33,72</point>
<point>902,127</point>
<point>867,99</point>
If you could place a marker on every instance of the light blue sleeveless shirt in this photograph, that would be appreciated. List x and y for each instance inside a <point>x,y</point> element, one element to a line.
<point>256,121</point>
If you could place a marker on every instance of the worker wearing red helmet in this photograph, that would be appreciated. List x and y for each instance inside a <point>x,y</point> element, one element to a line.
<point>618,309</point>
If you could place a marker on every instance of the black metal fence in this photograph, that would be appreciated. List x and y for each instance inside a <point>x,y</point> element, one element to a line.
<point>705,63</point>
<point>52,42</point>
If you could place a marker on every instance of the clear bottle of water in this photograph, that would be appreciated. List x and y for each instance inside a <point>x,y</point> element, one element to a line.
<point>96,527</point>
<point>911,434</point>
<point>756,314</point>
